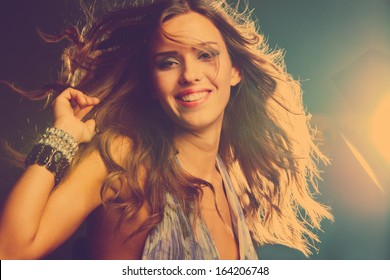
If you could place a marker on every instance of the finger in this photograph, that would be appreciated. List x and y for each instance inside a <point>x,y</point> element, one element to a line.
<point>84,99</point>
<point>67,96</point>
<point>92,100</point>
<point>80,99</point>
<point>91,126</point>
<point>87,102</point>
<point>70,93</point>
<point>73,93</point>
<point>76,99</point>
<point>82,112</point>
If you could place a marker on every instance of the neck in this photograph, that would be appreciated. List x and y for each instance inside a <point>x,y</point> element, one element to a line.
<point>198,151</point>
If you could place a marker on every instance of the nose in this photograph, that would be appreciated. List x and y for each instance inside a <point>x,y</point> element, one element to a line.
<point>191,73</point>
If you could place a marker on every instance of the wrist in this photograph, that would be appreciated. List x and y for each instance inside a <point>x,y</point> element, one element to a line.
<point>69,129</point>
<point>55,150</point>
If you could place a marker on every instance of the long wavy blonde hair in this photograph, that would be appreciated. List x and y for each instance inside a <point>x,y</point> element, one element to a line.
<point>266,142</point>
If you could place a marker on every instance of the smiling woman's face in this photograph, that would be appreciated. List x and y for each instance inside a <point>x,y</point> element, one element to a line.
<point>192,81</point>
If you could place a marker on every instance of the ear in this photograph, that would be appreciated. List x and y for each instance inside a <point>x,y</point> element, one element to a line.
<point>235,76</point>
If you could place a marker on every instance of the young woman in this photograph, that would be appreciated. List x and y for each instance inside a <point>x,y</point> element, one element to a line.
<point>178,133</point>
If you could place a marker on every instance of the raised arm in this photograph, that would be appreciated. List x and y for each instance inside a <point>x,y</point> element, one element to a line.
<point>35,218</point>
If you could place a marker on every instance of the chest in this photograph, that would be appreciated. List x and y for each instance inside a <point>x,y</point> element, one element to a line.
<point>216,215</point>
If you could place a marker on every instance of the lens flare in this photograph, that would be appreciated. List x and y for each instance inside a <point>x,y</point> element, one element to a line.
<point>379,132</point>
<point>363,162</point>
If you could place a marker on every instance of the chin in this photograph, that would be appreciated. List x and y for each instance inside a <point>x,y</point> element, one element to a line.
<point>200,124</point>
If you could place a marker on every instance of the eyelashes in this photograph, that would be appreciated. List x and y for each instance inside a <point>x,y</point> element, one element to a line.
<point>209,55</point>
<point>167,64</point>
<point>174,61</point>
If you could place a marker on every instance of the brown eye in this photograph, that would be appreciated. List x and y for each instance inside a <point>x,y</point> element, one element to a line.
<point>208,55</point>
<point>167,64</point>
<point>205,55</point>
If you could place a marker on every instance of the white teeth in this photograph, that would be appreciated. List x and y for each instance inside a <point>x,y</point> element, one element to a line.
<point>193,96</point>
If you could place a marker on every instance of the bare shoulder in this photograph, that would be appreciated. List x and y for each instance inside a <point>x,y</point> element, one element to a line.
<point>106,239</point>
<point>121,152</point>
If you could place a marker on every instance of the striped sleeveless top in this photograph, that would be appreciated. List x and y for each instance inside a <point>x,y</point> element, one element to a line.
<point>174,238</point>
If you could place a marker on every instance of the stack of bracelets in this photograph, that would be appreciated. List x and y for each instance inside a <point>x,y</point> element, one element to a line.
<point>55,150</point>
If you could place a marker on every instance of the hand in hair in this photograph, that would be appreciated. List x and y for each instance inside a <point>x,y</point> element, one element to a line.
<point>69,109</point>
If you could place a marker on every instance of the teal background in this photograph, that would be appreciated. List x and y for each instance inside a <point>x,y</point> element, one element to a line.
<point>338,49</point>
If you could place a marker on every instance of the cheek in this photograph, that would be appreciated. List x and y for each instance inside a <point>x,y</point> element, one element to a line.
<point>224,69</point>
<point>223,78</point>
<point>163,83</point>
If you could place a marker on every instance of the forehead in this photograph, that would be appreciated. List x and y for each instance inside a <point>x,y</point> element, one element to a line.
<point>191,27</point>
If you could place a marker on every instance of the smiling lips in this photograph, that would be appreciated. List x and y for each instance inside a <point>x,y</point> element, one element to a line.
<point>192,96</point>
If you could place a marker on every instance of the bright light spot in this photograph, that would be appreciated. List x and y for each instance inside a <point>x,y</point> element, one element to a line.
<point>363,162</point>
<point>380,128</point>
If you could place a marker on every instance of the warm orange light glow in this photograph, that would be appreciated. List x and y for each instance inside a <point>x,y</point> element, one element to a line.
<point>380,128</point>
<point>363,162</point>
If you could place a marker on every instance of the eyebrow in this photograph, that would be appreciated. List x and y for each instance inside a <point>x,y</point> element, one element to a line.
<point>164,54</point>
<point>168,53</point>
